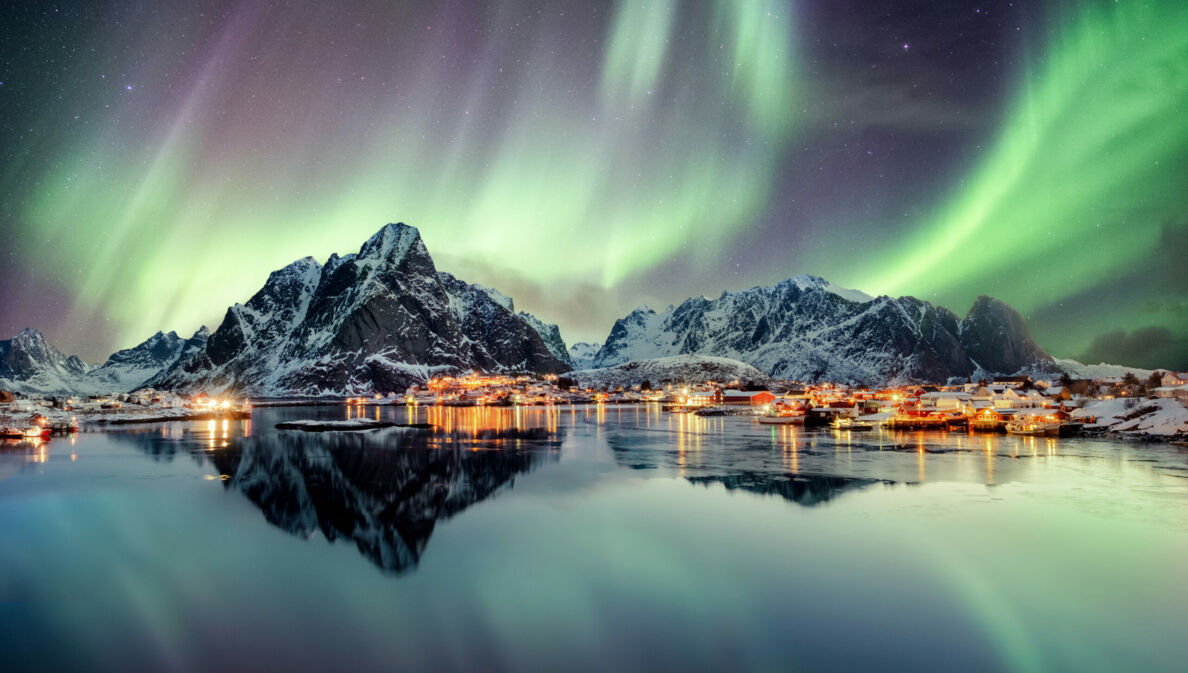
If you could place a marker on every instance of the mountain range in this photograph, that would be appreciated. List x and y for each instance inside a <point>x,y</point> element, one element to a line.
<point>807,329</point>
<point>381,319</point>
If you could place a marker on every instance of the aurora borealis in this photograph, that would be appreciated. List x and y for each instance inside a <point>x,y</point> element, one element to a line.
<point>585,158</point>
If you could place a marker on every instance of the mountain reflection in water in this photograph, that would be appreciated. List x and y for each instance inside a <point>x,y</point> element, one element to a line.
<point>802,489</point>
<point>385,490</point>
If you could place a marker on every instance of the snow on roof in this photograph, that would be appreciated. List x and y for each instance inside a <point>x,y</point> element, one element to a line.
<point>742,393</point>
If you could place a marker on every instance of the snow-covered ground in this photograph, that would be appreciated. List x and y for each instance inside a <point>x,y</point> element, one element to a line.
<point>1159,417</point>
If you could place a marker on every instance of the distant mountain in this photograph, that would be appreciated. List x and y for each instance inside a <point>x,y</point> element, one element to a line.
<point>375,321</point>
<point>582,354</point>
<point>807,329</point>
<point>29,364</point>
<point>1080,370</point>
<point>675,369</point>
<point>130,368</point>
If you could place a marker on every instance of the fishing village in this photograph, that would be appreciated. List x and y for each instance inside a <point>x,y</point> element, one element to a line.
<point>1154,409</point>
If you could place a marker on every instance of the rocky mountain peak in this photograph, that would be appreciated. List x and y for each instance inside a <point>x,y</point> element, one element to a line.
<point>375,321</point>
<point>29,362</point>
<point>392,244</point>
<point>996,338</point>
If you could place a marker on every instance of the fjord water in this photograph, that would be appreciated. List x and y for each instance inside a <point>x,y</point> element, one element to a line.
<point>588,538</point>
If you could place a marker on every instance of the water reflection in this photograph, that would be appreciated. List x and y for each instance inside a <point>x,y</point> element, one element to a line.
<point>384,490</point>
<point>804,490</point>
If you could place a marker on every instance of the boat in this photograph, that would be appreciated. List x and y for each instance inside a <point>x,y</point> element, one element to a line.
<point>35,432</point>
<point>853,425</point>
<point>1033,426</point>
<point>782,416</point>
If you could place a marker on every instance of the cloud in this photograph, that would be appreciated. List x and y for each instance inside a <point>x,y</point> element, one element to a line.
<point>1147,347</point>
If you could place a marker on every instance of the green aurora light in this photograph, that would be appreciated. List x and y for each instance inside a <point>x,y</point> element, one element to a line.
<point>564,172</point>
<point>1072,194</point>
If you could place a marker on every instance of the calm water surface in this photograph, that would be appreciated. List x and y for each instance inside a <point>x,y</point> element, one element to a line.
<point>589,539</point>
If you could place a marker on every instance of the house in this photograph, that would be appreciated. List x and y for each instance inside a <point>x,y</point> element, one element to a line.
<point>1176,392</point>
<point>1173,379</point>
<point>755,398</point>
<point>946,400</point>
<point>704,398</point>
<point>1058,393</point>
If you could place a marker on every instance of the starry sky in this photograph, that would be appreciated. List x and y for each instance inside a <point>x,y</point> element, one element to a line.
<point>160,158</point>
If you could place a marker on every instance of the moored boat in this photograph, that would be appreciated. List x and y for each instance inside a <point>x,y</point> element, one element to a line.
<point>1033,426</point>
<point>853,425</point>
<point>772,419</point>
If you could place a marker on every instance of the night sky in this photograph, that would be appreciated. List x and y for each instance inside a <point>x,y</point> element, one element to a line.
<point>160,158</point>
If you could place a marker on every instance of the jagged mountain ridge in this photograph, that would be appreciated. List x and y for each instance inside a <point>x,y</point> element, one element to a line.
<point>803,329</point>
<point>130,368</point>
<point>551,335</point>
<point>29,363</point>
<point>374,321</point>
<point>380,319</point>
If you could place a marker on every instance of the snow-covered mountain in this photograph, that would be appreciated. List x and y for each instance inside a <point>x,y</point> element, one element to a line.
<point>582,354</point>
<point>30,364</point>
<point>1080,370</point>
<point>374,321</point>
<point>805,329</point>
<point>674,369</point>
<point>130,368</point>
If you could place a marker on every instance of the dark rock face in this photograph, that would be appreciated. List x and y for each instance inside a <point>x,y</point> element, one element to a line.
<point>550,335</point>
<point>375,321</point>
<point>802,329</point>
<point>995,337</point>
